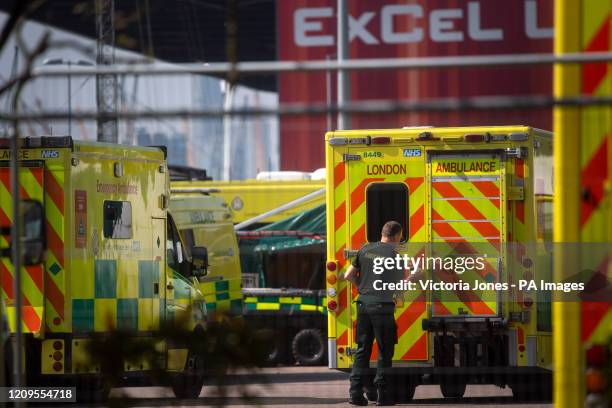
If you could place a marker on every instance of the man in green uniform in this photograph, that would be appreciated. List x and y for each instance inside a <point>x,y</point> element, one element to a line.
<point>375,319</point>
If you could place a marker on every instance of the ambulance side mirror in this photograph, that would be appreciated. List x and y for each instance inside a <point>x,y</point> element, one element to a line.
<point>33,233</point>
<point>199,261</point>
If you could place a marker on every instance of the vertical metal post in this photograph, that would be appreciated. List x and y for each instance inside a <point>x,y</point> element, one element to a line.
<point>567,349</point>
<point>16,257</point>
<point>344,91</point>
<point>227,130</point>
<point>69,99</point>
<point>328,95</point>
<point>106,84</point>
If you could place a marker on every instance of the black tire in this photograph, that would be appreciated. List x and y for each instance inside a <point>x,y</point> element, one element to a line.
<point>308,347</point>
<point>452,389</point>
<point>189,383</point>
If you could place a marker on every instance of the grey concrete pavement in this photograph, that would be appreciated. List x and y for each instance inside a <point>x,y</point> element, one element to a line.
<point>307,387</point>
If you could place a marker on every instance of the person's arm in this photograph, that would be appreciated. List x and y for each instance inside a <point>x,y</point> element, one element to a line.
<point>351,274</point>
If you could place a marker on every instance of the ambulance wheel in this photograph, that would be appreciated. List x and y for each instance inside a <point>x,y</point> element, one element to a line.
<point>92,389</point>
<point>452,389</point>
<point>308,347</point>
<point>189,383</point>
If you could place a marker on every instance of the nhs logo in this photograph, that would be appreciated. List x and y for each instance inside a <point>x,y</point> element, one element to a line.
<point>50,154</point>
<point>412,152</point>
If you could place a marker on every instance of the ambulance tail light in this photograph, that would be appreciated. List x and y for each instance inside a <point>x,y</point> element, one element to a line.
<point>380,140</point>
<point>331,279</point>
<point>332,305</point>
<point>331,266</point>
<point>597,356</point>
<point>596,381</point>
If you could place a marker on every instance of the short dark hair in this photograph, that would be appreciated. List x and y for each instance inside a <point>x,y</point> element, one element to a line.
<point>391,229</point>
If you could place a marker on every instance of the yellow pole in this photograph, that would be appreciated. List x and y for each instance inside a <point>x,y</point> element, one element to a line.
<point>568,355</point>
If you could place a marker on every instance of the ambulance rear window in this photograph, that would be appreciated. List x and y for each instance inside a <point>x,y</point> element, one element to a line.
<point>386,202</point>
<point>117,219</point>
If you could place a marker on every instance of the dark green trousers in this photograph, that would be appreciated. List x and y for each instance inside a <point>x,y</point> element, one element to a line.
<point>374,321</point>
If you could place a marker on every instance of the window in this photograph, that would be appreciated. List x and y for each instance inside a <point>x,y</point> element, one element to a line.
<point>188,239</point>
<point>386,202</point>
<point>175,253</point>
<point>117,219</point>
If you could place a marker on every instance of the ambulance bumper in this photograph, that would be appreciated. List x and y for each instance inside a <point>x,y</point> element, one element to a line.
<point>464,324</point>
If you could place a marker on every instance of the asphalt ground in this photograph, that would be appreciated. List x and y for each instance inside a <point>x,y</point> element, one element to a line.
<point>304,387</point>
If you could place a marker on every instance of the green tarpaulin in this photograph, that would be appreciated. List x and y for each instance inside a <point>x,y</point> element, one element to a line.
<point>303,230</point>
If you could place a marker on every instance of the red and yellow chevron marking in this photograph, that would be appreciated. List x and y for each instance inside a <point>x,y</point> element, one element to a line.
<point>596,163</point>
<point>55,264</point>
<point>340,233</point>
<point>412,340</point>
<point>466,212</point>
<point>32,286</point>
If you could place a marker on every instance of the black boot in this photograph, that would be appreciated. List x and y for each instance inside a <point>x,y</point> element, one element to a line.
<point>385,398</point>
<point>357,398</point>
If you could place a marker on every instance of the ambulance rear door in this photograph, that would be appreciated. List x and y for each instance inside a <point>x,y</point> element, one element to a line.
<point>466,214</point>
<point>385,183</point>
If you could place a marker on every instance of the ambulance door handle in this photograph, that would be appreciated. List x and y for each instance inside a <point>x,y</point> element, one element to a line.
<point>170,286</point>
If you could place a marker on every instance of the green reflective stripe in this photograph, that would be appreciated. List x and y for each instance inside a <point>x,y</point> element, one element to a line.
<point>148,274</point>
<point>105,279</point>
<point>211,306</point>
<point>267,299</point>
<point>222,296</point>
<point>297,303</point>
<point>127,314</point>
<point>82,315</point>
<point>221,286</point>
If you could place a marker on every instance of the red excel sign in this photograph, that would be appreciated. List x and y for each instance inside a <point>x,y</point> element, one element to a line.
<point>404,29</point>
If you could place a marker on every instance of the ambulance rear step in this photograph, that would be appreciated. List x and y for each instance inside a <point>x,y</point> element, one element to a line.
<point>464,324</point>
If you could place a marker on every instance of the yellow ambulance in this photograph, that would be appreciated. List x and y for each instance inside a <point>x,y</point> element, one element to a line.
<point>204,220</point>
<point>101,252</point>
<point>268,191</point>
<point>481,191</point>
